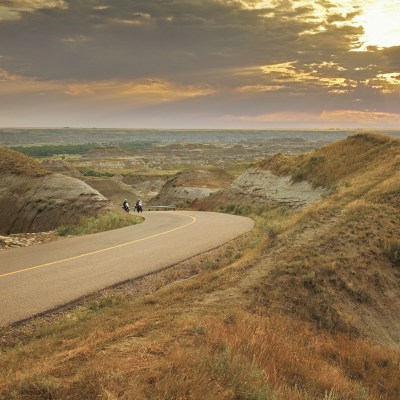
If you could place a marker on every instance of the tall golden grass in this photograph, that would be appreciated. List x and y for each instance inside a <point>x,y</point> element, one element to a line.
<point>12,162</point>
<point>183,354</point>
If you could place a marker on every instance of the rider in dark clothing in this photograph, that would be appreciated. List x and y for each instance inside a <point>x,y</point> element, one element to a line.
<point>125,205</point>
<point>138,206</point>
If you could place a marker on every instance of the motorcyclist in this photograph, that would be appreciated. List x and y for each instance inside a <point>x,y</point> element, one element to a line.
<point>138,206</point>
<point>125,205</point>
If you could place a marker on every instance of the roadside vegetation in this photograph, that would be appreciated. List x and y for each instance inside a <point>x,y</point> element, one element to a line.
<point>106,222</point>
<point>304,307</point>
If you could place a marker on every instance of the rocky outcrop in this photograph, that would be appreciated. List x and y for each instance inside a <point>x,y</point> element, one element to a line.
<point>187,186</point>
<point>258,186</point>
<point>181,194</point>
<point>265,186</point>
<point>26,239</point>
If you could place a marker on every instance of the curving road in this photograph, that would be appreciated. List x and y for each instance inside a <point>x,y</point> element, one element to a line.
<point>38,278</point>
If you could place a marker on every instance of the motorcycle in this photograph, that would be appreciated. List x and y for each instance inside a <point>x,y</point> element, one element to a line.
<point>138,207</point>
<point>126,207</point>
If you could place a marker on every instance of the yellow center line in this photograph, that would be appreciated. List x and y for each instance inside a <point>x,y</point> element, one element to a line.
<point>99,251</point>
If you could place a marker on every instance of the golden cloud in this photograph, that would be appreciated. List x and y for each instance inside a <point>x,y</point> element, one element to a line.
<point>11,9</point>
<point>285,116</point>
<point>351,117</point>
<point>27,5</point>
<point>386,83</point>
<point>367,117</point>
<point>148,91</point>
<point>320,75</point>
<point>17,84</point>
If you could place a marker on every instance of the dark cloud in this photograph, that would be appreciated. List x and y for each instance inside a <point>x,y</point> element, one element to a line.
<point>138,38</point>
<point>392,55</point>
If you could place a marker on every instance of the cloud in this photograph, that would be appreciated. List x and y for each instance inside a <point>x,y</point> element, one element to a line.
<point>139,38</point>
<point>230,57</point>
<point>134,92</point>
<point>76,39</point>
<point>344,118</point>
<point>12,85</point>
<point>361,117</point>
<point>12,9</point>
<point>143,92</point>
<point>259,88</point>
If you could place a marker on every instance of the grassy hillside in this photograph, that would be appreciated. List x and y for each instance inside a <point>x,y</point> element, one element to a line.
<point>338,162</point>
<point>305,307</point>
<point>12,162</point>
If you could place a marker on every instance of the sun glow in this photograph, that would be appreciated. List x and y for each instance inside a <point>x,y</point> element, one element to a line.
<point>379,18</point>
<point>380,21</point>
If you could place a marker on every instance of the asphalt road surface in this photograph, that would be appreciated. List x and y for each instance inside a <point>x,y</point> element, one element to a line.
<point>45,276</point>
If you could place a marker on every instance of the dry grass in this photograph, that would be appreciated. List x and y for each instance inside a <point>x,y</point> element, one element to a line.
<point>141,350</point>
<point>12,162</point>
<point>337,162</point>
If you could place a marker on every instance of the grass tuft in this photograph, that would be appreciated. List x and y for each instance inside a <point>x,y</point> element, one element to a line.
<point>392,250</point>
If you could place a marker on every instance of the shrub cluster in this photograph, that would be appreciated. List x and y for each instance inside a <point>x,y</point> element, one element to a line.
<point>97,224</point>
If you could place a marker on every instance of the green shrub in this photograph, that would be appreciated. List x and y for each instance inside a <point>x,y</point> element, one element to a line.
<point>92,172</point>
<point>298,175</point>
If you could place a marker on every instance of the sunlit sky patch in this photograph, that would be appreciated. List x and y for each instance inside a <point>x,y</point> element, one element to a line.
<point>206,64</point>
<point>380,20</point>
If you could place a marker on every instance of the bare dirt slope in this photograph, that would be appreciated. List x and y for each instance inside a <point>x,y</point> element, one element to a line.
<point>112,189</point>
<point>33,199</point>
<point>192,184</point>
<point>262,186</point>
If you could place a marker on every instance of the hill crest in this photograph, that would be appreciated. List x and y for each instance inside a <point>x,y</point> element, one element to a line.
<point>12,162</point>
<point>329,165</point>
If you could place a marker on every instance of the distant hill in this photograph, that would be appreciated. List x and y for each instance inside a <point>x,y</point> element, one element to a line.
<point>33,199</point>
<point>189,185</point>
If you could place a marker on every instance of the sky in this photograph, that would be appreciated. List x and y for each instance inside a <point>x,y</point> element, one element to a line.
<point>212,64</point>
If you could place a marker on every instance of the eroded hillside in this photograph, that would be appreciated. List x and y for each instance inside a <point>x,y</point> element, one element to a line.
<point>33,199</point>
<point>191,184</point>
<point>332,267</point>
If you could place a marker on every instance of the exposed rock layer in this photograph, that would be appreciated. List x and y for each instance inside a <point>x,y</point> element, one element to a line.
<point>265,186</point>
<point>257,186</point>
<point>42,203</point>
<point>190,185</point>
